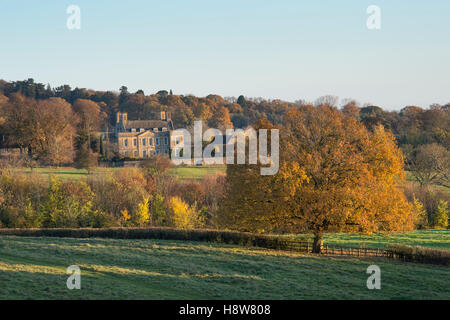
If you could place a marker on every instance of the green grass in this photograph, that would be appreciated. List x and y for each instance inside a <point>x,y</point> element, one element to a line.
<point>183,172</point>
<point>35,268</point>
<point>438,239</point>
<point>66,173</point>
<point>196,172</point>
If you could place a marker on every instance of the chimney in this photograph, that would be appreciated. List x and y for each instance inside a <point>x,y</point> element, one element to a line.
<point>121,117</point>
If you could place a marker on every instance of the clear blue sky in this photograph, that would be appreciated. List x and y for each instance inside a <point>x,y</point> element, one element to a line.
<point>272,49</point>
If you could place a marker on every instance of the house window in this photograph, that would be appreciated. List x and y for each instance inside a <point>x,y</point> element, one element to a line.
<point>144,141</point>
<point>166,151</point>
<point>177,140</point>
<point>135,142</point>
<point>135,153</point>
<point>157,141</point>
<point>144,154</point>
<point>166,140</point>
<point>151,141</point>
<point>125,142</point>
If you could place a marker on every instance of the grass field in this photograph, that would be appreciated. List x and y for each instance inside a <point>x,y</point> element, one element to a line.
<point>196,172</point>
<point>35,268</point>
<point>439,239</point>
<point>183,172</point>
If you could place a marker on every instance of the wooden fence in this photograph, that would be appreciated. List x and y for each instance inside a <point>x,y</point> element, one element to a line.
<point>306,246</point>
<point>395,252</point>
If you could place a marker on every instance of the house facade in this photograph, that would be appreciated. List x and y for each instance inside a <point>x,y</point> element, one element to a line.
<point>143,138</point>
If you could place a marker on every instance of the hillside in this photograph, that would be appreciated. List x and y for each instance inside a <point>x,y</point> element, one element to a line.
<point>35,268</point>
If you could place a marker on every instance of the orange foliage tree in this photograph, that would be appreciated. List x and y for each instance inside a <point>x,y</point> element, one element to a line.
<point>334,176</point>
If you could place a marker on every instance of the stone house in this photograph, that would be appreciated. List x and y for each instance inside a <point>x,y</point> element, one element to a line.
<point>143,138</point>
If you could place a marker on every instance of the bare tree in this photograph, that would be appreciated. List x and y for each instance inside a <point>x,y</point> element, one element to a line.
<point>328,100</point>
<point>431,165</point>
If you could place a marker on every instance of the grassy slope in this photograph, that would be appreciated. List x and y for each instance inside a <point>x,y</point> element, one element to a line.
<point>34,268</point>
<point>439,239</point>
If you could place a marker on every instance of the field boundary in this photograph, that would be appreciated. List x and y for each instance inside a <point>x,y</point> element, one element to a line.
<point>395,251</point>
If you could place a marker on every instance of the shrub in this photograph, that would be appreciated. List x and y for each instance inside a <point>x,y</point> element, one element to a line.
<point>69,205</point>
<point>142,215</point>
<point>29,201</point>
<point>420,214</point>
<point>184,216</point>
<point>20,195</point>
<point>119,192</point>
<point>440,216</point>
<point>430,197</point>
<point>157,165</point>
<point>163,233</point>
<point>158,214</point>
<point>419,254</point>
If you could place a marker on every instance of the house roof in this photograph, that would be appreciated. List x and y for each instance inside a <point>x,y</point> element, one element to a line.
<point>147,124</point>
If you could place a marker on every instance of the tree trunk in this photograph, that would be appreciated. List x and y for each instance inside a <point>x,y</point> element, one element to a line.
<point>317,244</point>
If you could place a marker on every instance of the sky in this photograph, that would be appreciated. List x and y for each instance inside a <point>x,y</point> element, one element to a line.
<point>281,49</point>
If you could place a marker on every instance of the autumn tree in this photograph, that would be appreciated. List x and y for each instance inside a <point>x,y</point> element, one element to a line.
<point>221,119</point>
<point>85,158</point>
<point>352,175</point>
<point>248,200</point>
<point>56,131</point>
<point>43,128</point>
<point>3,101</point>
<point>183,215</point>
<point>20,125</point>
<point>89,114</point>
<point>202,111</point>
<point>334,176</point>
<point>440,216</point>
<point>351,109</point>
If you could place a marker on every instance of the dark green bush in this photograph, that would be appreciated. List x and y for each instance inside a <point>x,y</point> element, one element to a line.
<point>228,237</point>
